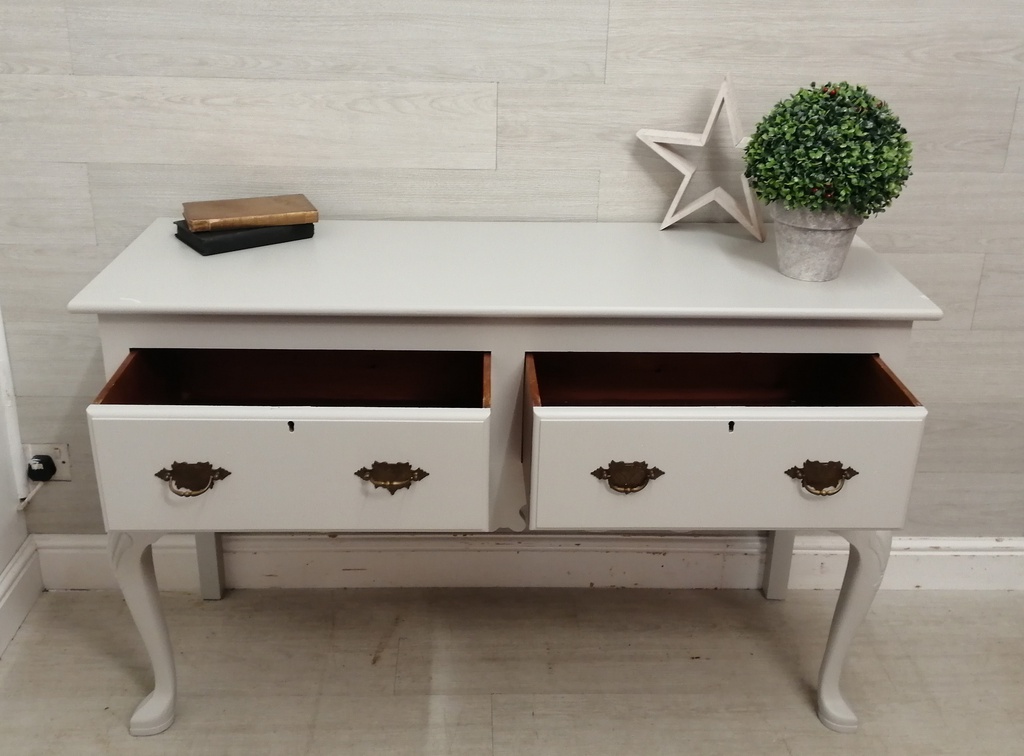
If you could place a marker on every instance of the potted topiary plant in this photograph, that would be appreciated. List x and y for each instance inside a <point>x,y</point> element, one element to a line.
<point>823,161</point>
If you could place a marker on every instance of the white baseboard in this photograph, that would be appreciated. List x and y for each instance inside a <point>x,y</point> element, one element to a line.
<point>319,561</point>
<point>21,583</point>
<point>81,562</point>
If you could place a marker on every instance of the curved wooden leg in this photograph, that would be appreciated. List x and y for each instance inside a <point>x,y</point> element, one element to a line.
<point>132,557</point>
<point>869,553</point>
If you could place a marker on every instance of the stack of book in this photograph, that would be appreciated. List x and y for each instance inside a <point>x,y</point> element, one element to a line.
<point>217,226</point>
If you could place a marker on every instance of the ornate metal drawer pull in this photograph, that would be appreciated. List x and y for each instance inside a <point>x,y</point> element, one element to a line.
<point>822,478</point>
<point>391,475</point>
<point>627,477</point>
<point>191,478</point>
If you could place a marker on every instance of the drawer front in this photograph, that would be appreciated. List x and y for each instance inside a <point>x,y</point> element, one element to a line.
<point>722,467</point>
<point>291,468</point>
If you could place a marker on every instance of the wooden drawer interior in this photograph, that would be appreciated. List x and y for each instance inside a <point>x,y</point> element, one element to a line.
<point>286,377</point>
<point>712,379</point>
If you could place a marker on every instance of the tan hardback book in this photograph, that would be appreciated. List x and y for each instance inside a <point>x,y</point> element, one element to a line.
<point>250,212</point>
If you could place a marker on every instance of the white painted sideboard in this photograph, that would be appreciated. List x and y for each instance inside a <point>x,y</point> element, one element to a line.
<point>476,376</point>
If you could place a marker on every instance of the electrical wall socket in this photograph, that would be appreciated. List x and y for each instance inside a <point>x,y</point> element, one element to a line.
<point>60,454</point>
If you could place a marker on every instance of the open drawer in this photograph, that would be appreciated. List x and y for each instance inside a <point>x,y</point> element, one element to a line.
<point>723,441</point>
<point>223,439</point>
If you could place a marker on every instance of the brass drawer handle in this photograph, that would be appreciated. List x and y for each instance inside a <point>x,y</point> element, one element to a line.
<point>627,477</point>
<point>822,478</point>
<point>391,475</point>
<point>191,478</point>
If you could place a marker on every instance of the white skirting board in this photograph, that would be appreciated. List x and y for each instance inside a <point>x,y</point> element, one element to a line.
<point>320,561</point>
<point>21,582</point>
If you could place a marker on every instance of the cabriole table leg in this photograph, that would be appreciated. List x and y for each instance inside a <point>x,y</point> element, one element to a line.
<point>132,556</point>
<point>869,554</point>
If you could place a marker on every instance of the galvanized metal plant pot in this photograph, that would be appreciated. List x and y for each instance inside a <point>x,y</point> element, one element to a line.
<point>812,244</point>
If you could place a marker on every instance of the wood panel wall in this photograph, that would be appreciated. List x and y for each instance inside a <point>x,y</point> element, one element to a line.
<point>113,113</point>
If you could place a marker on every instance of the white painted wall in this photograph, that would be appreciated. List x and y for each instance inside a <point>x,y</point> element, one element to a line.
<point>21,579</point>
<point>12,522</point>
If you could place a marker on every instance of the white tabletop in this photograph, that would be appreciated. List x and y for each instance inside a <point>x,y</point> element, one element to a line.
<point>495,269</point>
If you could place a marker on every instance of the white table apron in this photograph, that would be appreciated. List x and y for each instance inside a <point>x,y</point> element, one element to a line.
<point>507,290</point>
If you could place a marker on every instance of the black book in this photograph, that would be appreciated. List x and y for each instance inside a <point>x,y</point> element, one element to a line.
<point>216,242</point>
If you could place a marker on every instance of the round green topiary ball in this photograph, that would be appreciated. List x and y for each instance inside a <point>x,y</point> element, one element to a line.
<point>832,147</point>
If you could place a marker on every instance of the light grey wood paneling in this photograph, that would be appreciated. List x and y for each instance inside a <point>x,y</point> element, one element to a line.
<point>53,353</point>
<point>973,437</point>
<point>1001,295</point>
<point>248,121</point>
<point>57,370</point>
<point>988,203</point>
<point>128,197</point>
<point>49,259</point>
<point>406,108</point>
<point>47,361</point>
<point>966,504</point>
<point>968,238</point>
<point>956,366</point>
<point>434,40</point>
<point>68,506</point>
<point>957,127</point>
<point>63,507</point>
<point>37,282</point>
<point>1015,158</point>
<point>59,418</point>
<point>953,128</point>
<point>43,202</point>
<point>563,126</point>
<point>34,37</point>
<point>645,195</point>
<point>950,280</point>
<point>874,41</point>
<point>887,233</point>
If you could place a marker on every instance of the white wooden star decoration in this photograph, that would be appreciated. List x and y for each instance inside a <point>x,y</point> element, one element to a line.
<point>657,141</point>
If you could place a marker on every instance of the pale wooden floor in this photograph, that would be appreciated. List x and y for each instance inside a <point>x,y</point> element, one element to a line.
<point>566,672</point>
